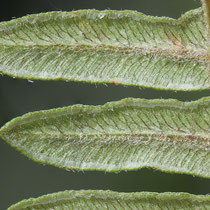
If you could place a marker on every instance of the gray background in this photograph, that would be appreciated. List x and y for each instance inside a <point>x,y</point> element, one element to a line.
<point>22,178</point>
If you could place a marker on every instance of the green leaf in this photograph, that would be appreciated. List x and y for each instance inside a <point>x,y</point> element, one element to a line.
<point>112,200</point>
<point>124,47</point>
<point>168,135</point>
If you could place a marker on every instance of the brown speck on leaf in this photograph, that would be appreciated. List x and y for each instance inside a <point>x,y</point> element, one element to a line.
<point>177,43</point>
<point>115,83</point>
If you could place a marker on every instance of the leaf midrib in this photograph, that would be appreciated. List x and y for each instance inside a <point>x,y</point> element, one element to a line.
<point>126,136</point>
<point>179,53</point>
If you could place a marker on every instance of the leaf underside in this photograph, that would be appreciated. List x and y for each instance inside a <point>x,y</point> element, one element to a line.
<point>112,200</point>
<point>124,47</point>
<point>168,135</point>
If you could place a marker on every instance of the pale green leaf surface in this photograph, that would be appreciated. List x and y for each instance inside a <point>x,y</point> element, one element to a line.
<point>112,200</point>
<point>167,135</point>
<point>126,47</point>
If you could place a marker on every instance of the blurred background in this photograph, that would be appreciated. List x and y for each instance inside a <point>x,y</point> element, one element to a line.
<point>21,178</point>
